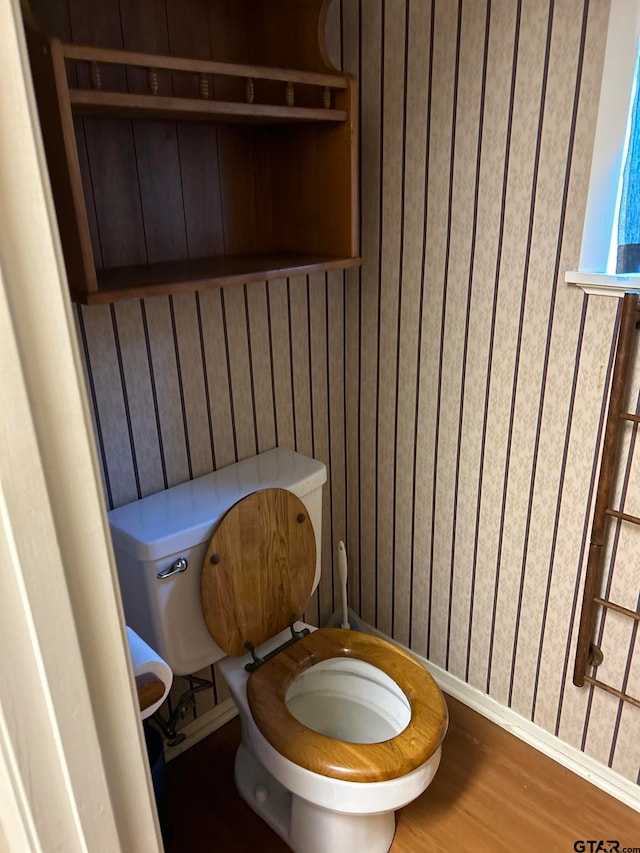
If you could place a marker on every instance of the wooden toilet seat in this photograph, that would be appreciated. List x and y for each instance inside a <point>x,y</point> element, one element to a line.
<point>257,576</point>
<point>353,762</point>
<point>258,571</point>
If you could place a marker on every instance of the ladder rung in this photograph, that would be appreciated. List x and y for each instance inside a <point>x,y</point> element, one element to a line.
<point>624,696</point>
<point>623,516</point>
<point>627,341</point>
<point>627,416</point>
<point>632,614</point>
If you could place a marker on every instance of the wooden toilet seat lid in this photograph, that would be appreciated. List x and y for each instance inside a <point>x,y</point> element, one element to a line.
<point>259,569</point>
<point>354,762</point>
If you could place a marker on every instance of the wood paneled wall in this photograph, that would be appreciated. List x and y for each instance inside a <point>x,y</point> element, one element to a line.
<point>481,378</point>
<point>183,385</point>
<point>455,385</point>
<point>186,384</point>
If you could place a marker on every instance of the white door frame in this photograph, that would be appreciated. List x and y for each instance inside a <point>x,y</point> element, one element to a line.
<point>73,768</point>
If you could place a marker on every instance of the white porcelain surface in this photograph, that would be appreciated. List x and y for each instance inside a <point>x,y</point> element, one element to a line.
<point>328,793</point>
<point>349,700</point>
<point>346,699</point>
<point>337,794</point>
<point>304,826</point>
<point>185,515</point>
<point>150,534</point>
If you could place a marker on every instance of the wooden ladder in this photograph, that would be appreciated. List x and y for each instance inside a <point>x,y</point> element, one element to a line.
<point>588,654</point>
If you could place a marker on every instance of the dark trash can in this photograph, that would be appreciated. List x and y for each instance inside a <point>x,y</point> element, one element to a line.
<point>155,754</point>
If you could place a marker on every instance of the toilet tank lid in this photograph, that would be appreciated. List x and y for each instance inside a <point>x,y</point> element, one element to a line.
<point>183,516</point>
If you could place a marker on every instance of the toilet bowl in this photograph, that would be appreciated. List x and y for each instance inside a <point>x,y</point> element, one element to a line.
<point>347,727</point>
<point>339,729</point>
<point>348,706</point>
<point>301,780</point>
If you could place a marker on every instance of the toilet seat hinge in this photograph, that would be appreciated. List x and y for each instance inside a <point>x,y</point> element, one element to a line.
<point>258,661</point>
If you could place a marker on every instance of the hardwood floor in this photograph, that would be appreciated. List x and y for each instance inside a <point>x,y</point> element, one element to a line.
<point>492,793</point>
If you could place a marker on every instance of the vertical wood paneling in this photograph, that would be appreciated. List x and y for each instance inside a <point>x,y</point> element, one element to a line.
<point>245,427</point>
<point>418,626</point>
<point>351,56</point>
<point>302,399</point>
<point>503,54</point>
<point>188,26</point>
<point>281,361</point>
<point>185,312</point>
<point>371,91</point>
<point>113,164</point>
<point>258,319</point>
<point>335,369</point>
<point>511,501</point>
<point>157,313</point>
<point>451,333</point>
<point>107,151</point>
<point>391,229</point>
<point>319,378</point>
<point>567,51</point>
<point>462,164</point>
<point>108,398</point>
<point>444,116</point>
<point>410,277</point>
<point>144,27</point>
<point>455,387</point>
<point>215,362</point>
<point>91,391</point>
<point>462,580</point>
<point>137,380</point>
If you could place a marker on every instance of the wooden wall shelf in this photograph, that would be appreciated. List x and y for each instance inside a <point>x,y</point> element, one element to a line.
<point>232,162</point>
<point>173,276</point>
<point>86,102</point>
<point>106,56</point>
<point>95,101</point>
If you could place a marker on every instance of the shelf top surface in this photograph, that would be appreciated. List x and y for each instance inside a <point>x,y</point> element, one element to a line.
<point>85,53</point>
<point>130,105</point>
<point>188,275</point>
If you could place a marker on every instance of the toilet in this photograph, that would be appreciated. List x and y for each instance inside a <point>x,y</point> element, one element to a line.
<point>339,728</point>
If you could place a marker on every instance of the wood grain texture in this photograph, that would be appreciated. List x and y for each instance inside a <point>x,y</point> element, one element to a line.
<point>315,172</point>
<point>492,794</point>
<point>291,30</point>
<point>150,689</point>
<point>49,77</point>
<point>122,105</point>
<point>363,762</point>
<point>198,141</point>
<point>182,276</point>
<point>264,560</point>
<point>110,175</point>
<point>165,192</point>
<point>177,63</point>
<point>567,408</point>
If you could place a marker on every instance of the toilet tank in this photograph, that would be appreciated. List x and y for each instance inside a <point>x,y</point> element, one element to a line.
<point>151,534</point>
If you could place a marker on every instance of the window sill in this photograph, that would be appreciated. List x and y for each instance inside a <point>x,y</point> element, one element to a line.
<point>601,284</point>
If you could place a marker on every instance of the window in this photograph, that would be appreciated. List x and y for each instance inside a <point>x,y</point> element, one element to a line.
<point>613,140</point>
<point>628,231</point>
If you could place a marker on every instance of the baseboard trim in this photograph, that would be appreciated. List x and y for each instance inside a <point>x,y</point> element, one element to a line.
<point>568,756</point>
<point>573,759</point>
<point>201,727</point>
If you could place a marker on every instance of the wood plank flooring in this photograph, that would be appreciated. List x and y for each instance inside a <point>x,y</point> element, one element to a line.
<point>492,793</point>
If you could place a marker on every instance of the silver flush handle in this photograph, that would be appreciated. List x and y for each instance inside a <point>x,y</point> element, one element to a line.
<point>179,565</point>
